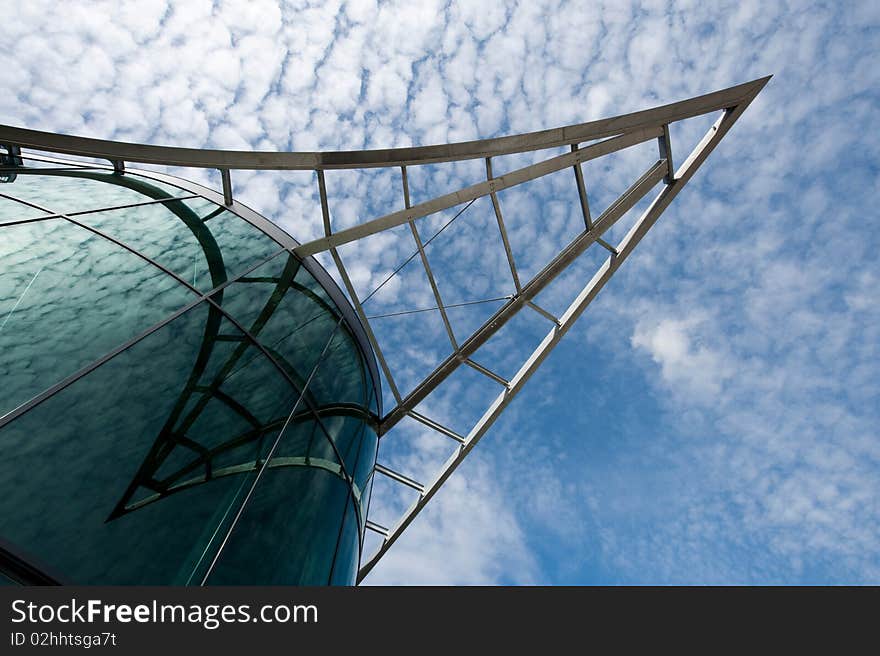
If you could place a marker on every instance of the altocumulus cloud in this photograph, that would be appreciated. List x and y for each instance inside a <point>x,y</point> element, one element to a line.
<point>724,422</point>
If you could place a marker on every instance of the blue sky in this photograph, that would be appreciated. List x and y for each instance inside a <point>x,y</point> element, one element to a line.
<point>713,416</point>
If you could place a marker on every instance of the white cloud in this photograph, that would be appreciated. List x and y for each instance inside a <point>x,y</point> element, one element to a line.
<point>469,535</point>
<point>751,310</point>
<point>687,366</point>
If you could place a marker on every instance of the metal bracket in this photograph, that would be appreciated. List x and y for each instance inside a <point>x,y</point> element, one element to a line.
<point>13,158</point>
<point>227,187</point>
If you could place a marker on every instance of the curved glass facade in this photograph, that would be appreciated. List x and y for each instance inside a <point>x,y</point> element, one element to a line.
<point>183,401</point>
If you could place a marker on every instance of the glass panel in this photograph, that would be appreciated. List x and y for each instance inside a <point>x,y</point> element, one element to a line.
<point>11,210</point>
<point>288,532</point>
<point>204,254</point>
<point>345,430</point>
<point>285,309</point>
<point>366,496</point>
<point>245,450</point>
<point>304,519</point>
<point>241,243</point>
<point>5,580</point>
<point>245,385</point>
<point>215,421</point>
<point>367,459</point>
<point>374,399</point>
<point>346,433</point>
<point>342,376</point>
<point>281,305</point>
<point>305,439</point>
<point>67,297</point>
<point>78,191</point>
<point>93,480</point>
<point>233,404</point>
<point>168,187</point>
<point>348,549</point>
<point>132,474</point>
<point>206,210</point>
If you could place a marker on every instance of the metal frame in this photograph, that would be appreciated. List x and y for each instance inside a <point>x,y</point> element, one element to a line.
<point>586,141</point>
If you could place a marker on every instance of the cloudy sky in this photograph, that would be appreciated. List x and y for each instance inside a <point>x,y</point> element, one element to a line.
<point>713,417</point>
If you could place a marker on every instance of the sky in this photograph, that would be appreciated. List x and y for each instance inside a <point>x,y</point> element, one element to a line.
<point>713,417</point>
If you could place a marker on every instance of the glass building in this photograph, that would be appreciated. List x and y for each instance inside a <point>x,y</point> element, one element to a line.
<point>183,400</point>
<point>187,397</point>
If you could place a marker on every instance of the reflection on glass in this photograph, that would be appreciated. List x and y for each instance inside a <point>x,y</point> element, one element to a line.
<point>345,565</point>
<point>204,253</point>
<point>64,192</point>
<point>67,297</point>
<point>136,471</point>
<point>342,378</point>
<point>11,210</point>
<point>289,530</point>
<point>282,306</point>
<point>68,461</point>
<point>230,402</point>
<point>369,446</point>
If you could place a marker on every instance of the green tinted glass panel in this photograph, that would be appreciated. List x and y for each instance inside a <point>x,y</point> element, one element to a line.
<point>343,376</point>
<point>217,418</point>
<point>366,496</point>
<point>67,297</point>
<point>346,432</point>
<point>82,191</point>
<point>369,446</point>
<point>374,401</point>
<point>34,162</point>
<point>245,385</point>
<point>232,405</point>
<point>135,472</point>
<point>304,438</point>
<point>279,305</point>
<point>241,243</point>
<point>102,481</point>
<point>204,254</point>
<point>137,180</point>
<point>205,209</point>
<point>69,461</point>
<point>288,532</point>
<point>11,210</point>
<point>348,549</point>
<point>170,234</point>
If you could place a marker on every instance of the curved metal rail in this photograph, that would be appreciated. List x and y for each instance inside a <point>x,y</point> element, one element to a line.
<point>117,151</point>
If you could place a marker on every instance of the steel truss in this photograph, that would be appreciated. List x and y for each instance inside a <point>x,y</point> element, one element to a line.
<point>605,136</point>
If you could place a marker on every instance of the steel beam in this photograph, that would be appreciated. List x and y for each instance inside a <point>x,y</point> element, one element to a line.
<point>582,192</point>
<point>377,528</point>
<point>488,373</point>
<point>352,293</point>
<point>400,478</point>
<point>425,264</point>
<point>430,423</point>
<point>227,187</point>
<point>307,161</point>
<point>648,218</point>
<point>506,181</point>
<point>537,308</point>
<point>496,206</point>
<point>608,218</point>
<point>664,144</point>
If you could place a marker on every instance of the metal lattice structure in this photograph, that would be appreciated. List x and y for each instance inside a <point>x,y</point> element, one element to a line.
<point>586,141</point>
